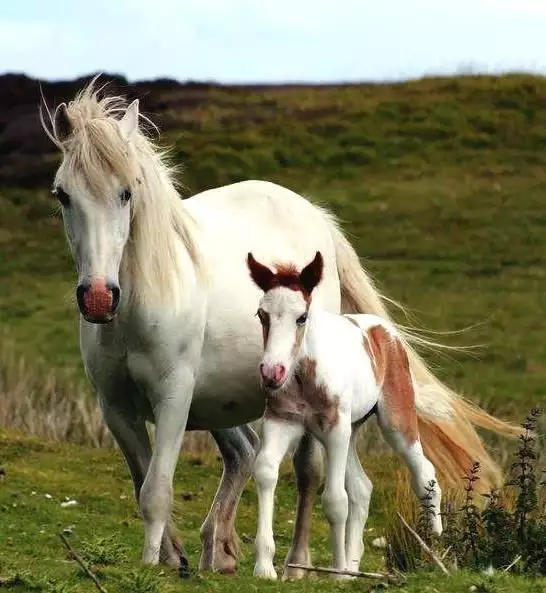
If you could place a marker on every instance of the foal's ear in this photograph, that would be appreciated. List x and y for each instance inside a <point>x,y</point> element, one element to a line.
<point>62,123</point>
<point>129,122</point>
<point>261,274</point>
<point>311,275</point>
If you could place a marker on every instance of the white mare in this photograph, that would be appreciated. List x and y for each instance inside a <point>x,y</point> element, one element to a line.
<point>167,333</point>
<point>326,374</point>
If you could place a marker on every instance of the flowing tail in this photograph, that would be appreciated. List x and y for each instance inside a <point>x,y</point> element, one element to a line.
<point>446,421</point>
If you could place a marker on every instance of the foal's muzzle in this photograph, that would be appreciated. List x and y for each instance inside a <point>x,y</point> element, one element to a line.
<point>98,299</point>
<point>273,375</point>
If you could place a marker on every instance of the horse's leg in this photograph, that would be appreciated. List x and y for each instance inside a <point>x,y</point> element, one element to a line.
<point>132,437</point>
<point>156,495</point>
<point>276,440</point>
<point>334,498</point>
<point>308,465</point>
<point>359,491</point>
<point>421,470</point>
<point>220,545</point>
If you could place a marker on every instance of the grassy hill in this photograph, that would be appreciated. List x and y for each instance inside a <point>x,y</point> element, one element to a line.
<point>440,183</point>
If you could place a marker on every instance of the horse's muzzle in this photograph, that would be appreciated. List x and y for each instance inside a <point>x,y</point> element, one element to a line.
<point>98,300</point>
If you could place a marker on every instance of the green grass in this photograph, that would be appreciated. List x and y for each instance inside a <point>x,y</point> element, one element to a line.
<point>106,530</point>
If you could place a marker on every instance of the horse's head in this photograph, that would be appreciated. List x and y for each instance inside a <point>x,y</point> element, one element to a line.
<point>283,312</point>
<point>94,185</point>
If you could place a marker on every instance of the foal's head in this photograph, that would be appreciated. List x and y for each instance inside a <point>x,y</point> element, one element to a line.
<point>283,313</point>
<point>94,186</point>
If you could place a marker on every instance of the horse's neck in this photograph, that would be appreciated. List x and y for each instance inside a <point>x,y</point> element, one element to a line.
<point>161,263</point>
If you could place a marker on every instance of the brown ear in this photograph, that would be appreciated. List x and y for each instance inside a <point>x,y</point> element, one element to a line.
<point>311,275</point>
<point>62,123</point>
<point>262,275</point>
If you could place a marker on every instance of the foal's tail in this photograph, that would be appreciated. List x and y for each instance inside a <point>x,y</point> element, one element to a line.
<point>446,420</point>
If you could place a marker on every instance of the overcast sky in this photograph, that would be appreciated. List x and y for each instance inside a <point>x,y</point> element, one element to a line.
<point>271,40</point>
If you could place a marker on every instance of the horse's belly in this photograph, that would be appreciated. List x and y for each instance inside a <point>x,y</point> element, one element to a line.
<point>227,393</point>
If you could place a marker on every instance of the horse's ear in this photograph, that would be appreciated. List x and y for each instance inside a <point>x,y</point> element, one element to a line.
<point>62,123</point>
<point>262,275</point>
<point>129,122</point>
<point>311,275</point>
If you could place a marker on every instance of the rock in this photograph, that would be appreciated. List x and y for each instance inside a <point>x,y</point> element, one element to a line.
<point>379,542</point>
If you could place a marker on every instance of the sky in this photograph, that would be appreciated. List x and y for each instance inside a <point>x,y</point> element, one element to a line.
<point>271,40</point>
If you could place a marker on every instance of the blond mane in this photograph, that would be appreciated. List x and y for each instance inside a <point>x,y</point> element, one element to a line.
<point>96,149</point>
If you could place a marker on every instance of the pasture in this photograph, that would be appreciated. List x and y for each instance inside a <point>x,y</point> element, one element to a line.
<point>440,184</point>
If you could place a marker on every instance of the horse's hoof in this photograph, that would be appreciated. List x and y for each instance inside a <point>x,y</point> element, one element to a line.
<point>265,572</point>
<point>184,568</point>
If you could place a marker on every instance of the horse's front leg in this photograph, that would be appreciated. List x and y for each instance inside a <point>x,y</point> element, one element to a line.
<point>171,399</point>
<point>220,545</point>
<point>129,430</point>
<point>276,440</point>
<point>308,465</point>
<point>334,498</point>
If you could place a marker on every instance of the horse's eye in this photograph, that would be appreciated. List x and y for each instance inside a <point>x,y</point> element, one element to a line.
<point>125,195</point>
<point>61,195</point>
<point>302,319</point>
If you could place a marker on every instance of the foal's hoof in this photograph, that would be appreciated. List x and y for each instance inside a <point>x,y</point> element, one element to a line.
<point>184,568</point>
<point>265,572</point>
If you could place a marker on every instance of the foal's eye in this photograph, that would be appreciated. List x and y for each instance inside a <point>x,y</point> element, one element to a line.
<point>302,319</point>
<point>125,195</point>
<point>61,195</point>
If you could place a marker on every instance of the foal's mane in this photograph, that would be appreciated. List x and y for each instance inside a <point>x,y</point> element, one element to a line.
<point>96,147</point>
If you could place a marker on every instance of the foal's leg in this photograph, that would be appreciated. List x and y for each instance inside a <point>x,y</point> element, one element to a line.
<point>276,440</point>
<point>220,546</point>
<point>132,437</point>
<point>421,470</point>
<point>308,465</point>
<point>359,490</point>
<point>334,498</point>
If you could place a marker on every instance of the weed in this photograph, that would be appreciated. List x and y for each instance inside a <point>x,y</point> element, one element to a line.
<point>103,551</point>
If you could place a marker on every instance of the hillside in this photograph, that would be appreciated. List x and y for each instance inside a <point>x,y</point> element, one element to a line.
<point>440,182</point>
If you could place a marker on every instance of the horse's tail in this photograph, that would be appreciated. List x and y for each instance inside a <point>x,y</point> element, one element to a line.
<point>446,421</point>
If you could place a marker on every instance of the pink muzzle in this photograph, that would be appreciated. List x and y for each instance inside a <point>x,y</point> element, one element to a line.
<point>273,375</point>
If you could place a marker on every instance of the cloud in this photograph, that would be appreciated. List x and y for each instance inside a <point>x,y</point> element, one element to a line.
<point>266,40</point>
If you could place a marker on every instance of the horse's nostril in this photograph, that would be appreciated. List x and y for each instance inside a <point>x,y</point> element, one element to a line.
<point>80,296</point>
<point>116,293</point>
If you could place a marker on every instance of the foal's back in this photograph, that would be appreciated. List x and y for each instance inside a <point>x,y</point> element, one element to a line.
<point>352,353</point>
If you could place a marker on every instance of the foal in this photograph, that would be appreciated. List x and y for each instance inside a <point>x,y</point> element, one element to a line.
<point>327,374</point>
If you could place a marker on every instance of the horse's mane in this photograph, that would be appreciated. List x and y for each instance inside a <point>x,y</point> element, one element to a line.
<point>96,146</point>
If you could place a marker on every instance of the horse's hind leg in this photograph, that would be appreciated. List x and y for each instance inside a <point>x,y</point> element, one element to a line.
<point>132,437</point>
<point>308,465</point>
<point>359,490</point>
<point>421,469</point>
<point>220,545</point>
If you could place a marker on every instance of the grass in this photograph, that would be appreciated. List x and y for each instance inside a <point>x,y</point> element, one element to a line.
<point>105,528</point>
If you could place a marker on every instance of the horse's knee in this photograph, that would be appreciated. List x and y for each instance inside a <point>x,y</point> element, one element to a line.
<point>336,504</point>
<point>266,471</point>
<point>156,499</point>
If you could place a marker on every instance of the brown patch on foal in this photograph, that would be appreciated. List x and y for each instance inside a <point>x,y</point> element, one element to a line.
<point>392,373</point>
<point>304,401</point>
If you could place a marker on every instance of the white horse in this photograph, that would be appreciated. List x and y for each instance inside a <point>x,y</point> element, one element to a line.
<point>326,374</point>
<point>166,306</point>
